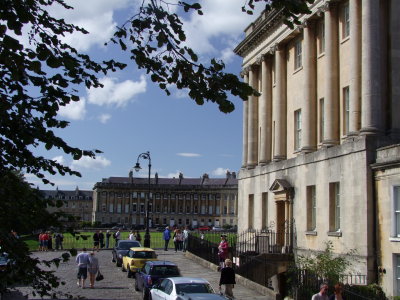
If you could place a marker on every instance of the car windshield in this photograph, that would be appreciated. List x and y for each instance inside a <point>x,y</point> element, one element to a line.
<point>128,245</point>
<point>165,271</point>
<point>193,288</point>
<point>144,254</point>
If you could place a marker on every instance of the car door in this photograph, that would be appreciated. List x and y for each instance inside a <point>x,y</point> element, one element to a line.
<point>163,291</point>
<point>142,275</point>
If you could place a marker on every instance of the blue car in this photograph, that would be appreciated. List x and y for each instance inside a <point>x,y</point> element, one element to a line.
<point>152,272</point>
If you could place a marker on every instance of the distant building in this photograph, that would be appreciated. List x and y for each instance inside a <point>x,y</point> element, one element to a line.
<point>77,203</point>
<point>329,106</point>
<point>173,201</point>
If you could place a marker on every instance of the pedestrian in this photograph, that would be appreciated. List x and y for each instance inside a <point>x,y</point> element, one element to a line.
<point>132,236</point>
<point>41,241</point>
<point>323,293</point>
<point>223,248</point>
<point>49,241</point>
<point>57,238</point>
<point>138,236</point>
<point>101,239</point>
<point>108,235</point>
<point>166,238</point>
<point>227,278</point>
<point>45,238</point>
<point>93,268</point>
<point>14,234</point>
<point>82,260</point>
<point>117,236</point>
<point>178,238</point>
<point>185,239</point>
<point>96,241</point>
<point>337,295</point>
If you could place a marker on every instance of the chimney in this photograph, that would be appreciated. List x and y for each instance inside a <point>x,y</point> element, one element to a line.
<point>156,177</point>
<point>205,176</point>
<point>131,176</point>
<point>234,175</point>
<point>228,174</point>
<point>180,177</point>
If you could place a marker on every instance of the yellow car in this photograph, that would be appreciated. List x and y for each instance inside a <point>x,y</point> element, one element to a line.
<point>136,258</point>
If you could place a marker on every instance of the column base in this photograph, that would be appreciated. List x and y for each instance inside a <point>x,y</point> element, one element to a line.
<point>251,166</point>
<point>279,157</point>
<point>370,131</point>
<point>308,149</point>
<point>329,143</point>
<point>264,162</point>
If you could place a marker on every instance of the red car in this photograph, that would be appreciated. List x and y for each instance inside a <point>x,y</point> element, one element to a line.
<point>204,228</point>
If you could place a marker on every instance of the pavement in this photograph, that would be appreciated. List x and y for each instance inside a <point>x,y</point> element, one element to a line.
<point>116,284</point>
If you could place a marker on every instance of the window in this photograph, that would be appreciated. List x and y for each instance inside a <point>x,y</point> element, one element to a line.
<point>396,206</point>
<point>251,211</point>
<point>346,110</point>
<point>346,21</point>
<point>127,208</point>
<point>210,209</point>
<point>311,208</point>
<point>321,36</point>
<point>217,210</point>
<point>111,208</point>
<point>297,133</point>
<point>334,206</point>
<point>264,210</point>
<point>397,275</point>
<point>134,207</point>
<point>321,119</point>
<point>134,195</point>
<point>297,55</point>
<point>142,195</point>
<point>141,207</point>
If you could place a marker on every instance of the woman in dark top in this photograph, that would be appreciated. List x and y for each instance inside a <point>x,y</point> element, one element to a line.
<point>227,278</point>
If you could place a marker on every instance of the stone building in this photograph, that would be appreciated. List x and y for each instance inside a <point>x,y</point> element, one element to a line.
<point>329,98</point>
<point>77,203</point>
<point>173,201</point>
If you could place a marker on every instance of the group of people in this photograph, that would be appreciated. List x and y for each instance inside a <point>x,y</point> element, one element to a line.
<point>323,293</point>
<point>87,263</point>
<point>135,236</point>
<point>179,237</point>
<point>46,241</point>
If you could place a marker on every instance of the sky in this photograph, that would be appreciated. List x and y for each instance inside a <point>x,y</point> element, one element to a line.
<point>131,115</point>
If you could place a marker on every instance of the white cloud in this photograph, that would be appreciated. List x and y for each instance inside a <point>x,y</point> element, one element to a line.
<point>103,118</point>
<point>60,159</point>
<point>74,110</point>
<point>185,154</point>
<point>89,163</point>
<point>96,16</point>
<point>219,171</point>
<point>116,93</point>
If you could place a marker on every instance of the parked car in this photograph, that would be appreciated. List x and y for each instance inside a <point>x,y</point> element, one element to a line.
<point>160,229</point>
<point>177,287</point>
<point>217,228</point>
<point>136,258</point>
<point>204,228</point>
<point>121,249</point>
<point>152,272</point>
<point>202,297</point>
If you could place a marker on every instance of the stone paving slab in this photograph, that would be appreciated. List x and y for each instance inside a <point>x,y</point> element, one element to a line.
<point>116,284</point>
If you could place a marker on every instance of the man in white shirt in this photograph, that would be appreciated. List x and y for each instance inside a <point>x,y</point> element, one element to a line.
<point>323,293</point>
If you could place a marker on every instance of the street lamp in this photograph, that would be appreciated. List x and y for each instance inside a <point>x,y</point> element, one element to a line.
<point>145,155</point>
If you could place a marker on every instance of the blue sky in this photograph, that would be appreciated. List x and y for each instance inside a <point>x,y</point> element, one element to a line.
<point>131,115</point>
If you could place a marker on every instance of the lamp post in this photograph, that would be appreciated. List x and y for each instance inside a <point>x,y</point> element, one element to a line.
<point>145,155</point>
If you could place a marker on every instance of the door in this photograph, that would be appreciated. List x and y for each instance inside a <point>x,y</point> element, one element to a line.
<point>280,222</point>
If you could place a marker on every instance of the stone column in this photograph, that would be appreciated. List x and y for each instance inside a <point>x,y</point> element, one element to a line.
<point>355,67</point>
<point>309,110</point>
<point>279,104</point>
<point>265,110</point>
<point>394,69</point>
<point>371,122</point>
<point>245,122</point>
<point>331,103</point>
<point>252,133</point>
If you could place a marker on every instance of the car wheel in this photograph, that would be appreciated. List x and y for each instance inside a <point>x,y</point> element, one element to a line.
<point>129,272</point>
<point>118,264</point>
<point>145,293</point>
<point>136,286</point>
<point>150,297</point>
<point>123,268</point>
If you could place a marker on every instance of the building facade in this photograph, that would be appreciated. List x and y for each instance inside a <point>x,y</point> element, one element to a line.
<point>77,203</point>
<point>172,201</point>
<point>329,97</point>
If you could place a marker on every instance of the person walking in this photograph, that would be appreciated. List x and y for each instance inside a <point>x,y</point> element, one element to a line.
<point>166,238</point>
<point>178,238</point>
<point>185,238</point>
<point>108,235</point>
<point>323,293</point>
<point>223,248</point>
<point>82,260</point>
<point>337,295</point>
<point>117,236</point>
<point>101,239</point>
<point>138,237</point>
<point>227,278</point>
<point>93,268</point>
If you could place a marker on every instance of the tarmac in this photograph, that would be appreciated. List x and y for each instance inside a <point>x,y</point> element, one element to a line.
<point>116,284</point>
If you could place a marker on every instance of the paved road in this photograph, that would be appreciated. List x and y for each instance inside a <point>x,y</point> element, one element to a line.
<point>116,285</point>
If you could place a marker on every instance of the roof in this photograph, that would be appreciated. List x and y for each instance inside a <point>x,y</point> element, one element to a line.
<point>68,194</point>
<point>142,249</point>
<point>178,280</point>
<point>162,263</point>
